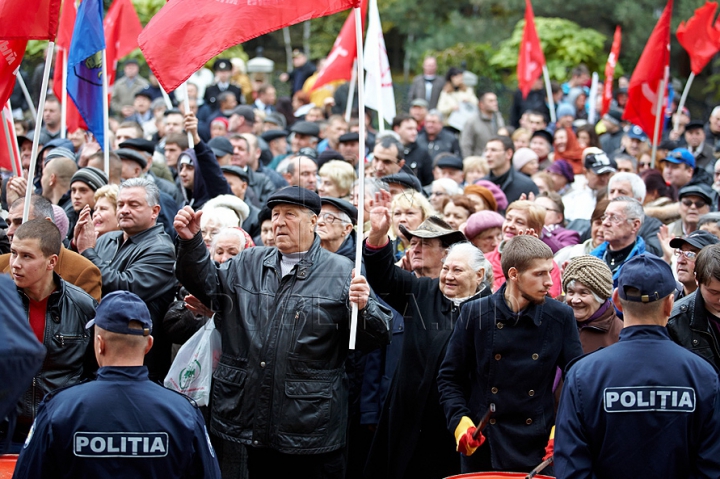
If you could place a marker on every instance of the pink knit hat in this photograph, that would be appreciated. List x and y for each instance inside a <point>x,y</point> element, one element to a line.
<point>500,198</point>
<point>61,220</point>
<point>481,221</point>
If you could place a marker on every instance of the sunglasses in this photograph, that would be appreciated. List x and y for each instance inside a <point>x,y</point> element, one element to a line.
<point>698,204</point>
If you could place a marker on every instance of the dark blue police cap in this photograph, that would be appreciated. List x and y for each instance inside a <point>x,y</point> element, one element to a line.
<point>649,275</point>
<point>116,311</point>
<point>295,195</point>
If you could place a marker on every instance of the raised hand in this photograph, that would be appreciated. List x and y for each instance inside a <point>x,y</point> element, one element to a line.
<point>187,223</point>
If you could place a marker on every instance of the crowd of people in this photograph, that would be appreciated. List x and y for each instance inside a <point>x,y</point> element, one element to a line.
<point>498,254</point>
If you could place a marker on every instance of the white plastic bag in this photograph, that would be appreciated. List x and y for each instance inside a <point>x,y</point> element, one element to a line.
<point>191,371</point>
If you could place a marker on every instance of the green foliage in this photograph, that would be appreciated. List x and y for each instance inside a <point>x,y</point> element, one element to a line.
<point>564,44</point>
<point>475,56</point>
<point>147,8</point>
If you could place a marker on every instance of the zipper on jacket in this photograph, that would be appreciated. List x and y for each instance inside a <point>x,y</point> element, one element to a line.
<point>63,337</point>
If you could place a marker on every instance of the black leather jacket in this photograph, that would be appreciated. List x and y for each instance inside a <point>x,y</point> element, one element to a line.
<point>70,357</point>
<point>689,327</point>
<point>281,380</point>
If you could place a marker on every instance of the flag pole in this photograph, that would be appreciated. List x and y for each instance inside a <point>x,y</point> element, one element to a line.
<point>16,149</point>
<point>361,165</point>
<point>26,94</point>
<point>106,115</point>
<point>681,105</point>
<point>8,140</point>
<point>63,92</point>
<point>38,127</point>
<point>166,98</point>
<point>186,103</point>
<point>658,110</point>
<point>548,89</point>
<point>351,92</point>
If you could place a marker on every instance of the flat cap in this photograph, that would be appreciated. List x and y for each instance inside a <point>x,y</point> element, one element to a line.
<point>140,144</point>
<point>271,135</point>
<point>308,128</point>
<point>295,195</point>
<point>405,179</point>
<point>131,155</point>
<point>237,171</point>
<point>221,146</point>
<point>343,205</point>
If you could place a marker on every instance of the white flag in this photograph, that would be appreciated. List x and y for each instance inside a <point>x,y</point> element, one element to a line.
<point>379,94</point>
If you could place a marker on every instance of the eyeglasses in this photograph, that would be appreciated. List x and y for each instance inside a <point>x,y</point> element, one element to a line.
<point>614,219</point>
<point>698,204</point>
<point>690,255</point>
<point>329,218</point>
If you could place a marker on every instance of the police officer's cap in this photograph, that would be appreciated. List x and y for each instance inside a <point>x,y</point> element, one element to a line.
<point>117,310</point>
<point>295,195</point>
<point>342,205</point>
<point>132,155</point>
<point>649,275</point>
<point>222,65</point>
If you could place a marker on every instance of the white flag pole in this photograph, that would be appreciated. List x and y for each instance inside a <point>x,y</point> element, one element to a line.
<point>361,166</point>
<point>8,140</point>
<point>106,115</point>
<point>166,98</point>
<point>186,103</point>
<point>63,92</point>
<point>16,148</point>
<point>351,92</point>
<point>681,105</point>
<point>26,94</point>
<point>548,88</point>
<point>38,127</point>
<point>658,111</point>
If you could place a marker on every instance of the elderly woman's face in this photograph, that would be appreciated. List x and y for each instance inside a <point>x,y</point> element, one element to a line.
<point>209,231</point>
<point>581,300</point>
<point>226,246</point>
<point>328,188</point>
<point>457,278</point>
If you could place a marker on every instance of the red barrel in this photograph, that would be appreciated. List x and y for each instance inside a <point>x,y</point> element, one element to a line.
<point>7,465</point>
<point>495,475</point>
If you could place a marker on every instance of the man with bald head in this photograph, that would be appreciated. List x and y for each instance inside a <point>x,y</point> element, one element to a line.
<point>55,180</point>
<point>299,170</point>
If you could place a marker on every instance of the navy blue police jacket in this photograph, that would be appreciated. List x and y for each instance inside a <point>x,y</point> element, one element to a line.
<point>120,426</point>
<point>510,360</point>
<point>643,407</point>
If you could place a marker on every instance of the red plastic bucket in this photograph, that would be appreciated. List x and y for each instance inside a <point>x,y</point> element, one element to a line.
<point>7,465</point>
<point>495,475</point>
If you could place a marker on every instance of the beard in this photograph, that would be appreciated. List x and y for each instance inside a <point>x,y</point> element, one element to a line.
<point>532,300</point>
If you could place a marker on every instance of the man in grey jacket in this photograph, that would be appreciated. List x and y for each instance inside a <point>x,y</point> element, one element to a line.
<point>478,130</point>
<point>283,314</point>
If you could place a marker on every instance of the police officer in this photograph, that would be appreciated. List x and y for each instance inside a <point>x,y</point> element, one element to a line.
<point>121,425</point>
<point>643,407</point>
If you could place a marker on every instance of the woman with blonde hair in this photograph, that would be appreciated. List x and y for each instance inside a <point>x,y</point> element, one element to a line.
<point>336,180</point>
<point>409,208</point>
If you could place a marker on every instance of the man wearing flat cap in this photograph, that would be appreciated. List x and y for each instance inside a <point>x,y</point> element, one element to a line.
<point>304,134</point>
<point>283,314</point>
<point>644,406</point>
<point>122,423</point>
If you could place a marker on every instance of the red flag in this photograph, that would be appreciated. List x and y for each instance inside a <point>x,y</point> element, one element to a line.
<point>650,70</point>
<point>339,63</point>
<point>122,27</point>
<point>12,52</point>
<point>610,71</point>
<point>185,34</point>
<point>5,161</point>
<point>73,120</point>
<point>29,19</point>
<point>531,58</point>
<point>699,38</point>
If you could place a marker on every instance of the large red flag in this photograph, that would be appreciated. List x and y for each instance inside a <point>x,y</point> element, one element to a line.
<point>649,72</point>
<point>73,120</point>
<point>29,19</point>
<point>12,52</point>
<point>610,71</point>
<point>698,37</point>
<point>185,34</point>
<point>531,59</point>
<point>339,63</point>
<point>122,28</point>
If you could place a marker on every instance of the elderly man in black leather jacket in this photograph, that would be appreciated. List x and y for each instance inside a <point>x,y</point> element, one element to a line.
<point>283,313</point>
<point>57,311</point>
<point>695,320</point>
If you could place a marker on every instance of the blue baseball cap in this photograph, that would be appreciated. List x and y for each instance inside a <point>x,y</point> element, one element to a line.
<point>637,133</point>
<point>649,275</point>
<point>116,311</point>
<point>681,155</point>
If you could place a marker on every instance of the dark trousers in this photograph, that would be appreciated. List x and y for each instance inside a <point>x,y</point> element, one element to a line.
<point>264,463</point>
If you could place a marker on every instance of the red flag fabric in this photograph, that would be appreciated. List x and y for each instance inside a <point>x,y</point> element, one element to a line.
<point>185,34</point>
<point>29,19</point>
<point>531,59</point>
<point>73,120</point>
<point>6,162</point>
<point>610,71</point>
<point>699,38</point>
<point>649,72</point>
<point>122,28</point>
<point>12,52</point>
<point>339,63</point>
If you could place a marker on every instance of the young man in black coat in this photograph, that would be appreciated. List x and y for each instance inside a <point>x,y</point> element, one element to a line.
<point>504,352</point>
